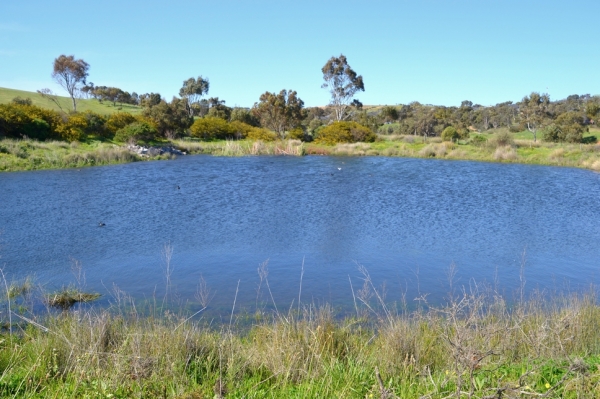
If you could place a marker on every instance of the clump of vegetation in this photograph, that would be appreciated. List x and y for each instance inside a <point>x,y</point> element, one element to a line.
<point>450,134</point>
<point>16,290</point>
<point>436,150</point>
<point>118,121</point>
<point>67,297</point>
<point>501,139</point>
<point>568,127</point>
<point>261,134</point>
<point>506,153</point>
<point>212,128</point>
<point>33,155</point>
<point>136,131</point>
<point>344,132</point>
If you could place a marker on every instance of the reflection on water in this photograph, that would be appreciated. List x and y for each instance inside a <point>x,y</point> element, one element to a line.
<point>405,220</point>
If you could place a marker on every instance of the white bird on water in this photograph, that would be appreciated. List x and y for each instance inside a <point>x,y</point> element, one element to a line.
<point>339,168</point>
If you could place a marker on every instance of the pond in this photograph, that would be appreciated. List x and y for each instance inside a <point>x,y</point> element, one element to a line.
<point>310,221</point>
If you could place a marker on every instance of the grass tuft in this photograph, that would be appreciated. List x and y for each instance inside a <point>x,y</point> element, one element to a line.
<point>67,297</point>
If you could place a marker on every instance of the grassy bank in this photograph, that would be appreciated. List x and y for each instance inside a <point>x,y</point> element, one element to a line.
<point>474,346</point>
<point>89,104</point>
<point>18,155</point>
<point>487,149</point>
<point>31,155</point>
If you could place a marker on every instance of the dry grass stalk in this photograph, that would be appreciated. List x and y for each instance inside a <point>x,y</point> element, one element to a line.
<point>505,153</point>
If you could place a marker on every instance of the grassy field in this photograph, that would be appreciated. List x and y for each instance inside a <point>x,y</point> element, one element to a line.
<point>475,345</point>
<point>105,108</point>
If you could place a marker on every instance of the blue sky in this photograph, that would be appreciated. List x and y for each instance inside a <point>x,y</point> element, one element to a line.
<point>431,51</point>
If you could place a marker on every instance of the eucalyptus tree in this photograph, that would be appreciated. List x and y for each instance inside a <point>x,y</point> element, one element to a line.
<point>218,109</point>
<point>192,91</point>
<point>567,127</point>
<point>70,74</point>
<point>149,100</point>
<point>171,119</point>
<point>506,114</point>
<point>245,116</point>
<point>533,110</point>
<point>343,83</point>
<point>424,120</point>
<point>591,110</point>
<point>389,113</point>
<point>279,112</point>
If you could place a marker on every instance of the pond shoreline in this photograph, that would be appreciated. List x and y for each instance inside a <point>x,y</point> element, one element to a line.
<point>24,155</point>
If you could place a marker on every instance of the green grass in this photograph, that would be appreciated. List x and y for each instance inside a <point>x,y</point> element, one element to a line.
<point>474,345</point>
<point>518,151</point>
<point>33,155</point>
<point>105,108</point>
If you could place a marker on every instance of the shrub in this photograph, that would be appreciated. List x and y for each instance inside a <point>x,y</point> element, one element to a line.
<point>212,128</point>
<point>567,127</point>
<point>450,134</point>
<point>501,139</point>
<point>478,140</point>
<point>74,128</point>
<point>118,121</point>
<point>136,131</point>
<point>21,101</point>
<point>314,124</point>
<point>241,129</point>
<point>261,134</point>
<point>344,132</point>
<point>515,128</point>
<point>298,134</point>
<point>96,124</point>
<point>18,121</point>
<point>551,133</point>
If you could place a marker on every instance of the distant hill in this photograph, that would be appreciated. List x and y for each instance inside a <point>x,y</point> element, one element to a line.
<point>105,108</point>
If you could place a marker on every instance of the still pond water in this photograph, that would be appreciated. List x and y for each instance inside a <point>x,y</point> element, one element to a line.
<point>405,220</point>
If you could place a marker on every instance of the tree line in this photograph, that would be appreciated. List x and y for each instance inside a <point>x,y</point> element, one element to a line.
<point>564,120</point>
<point>282,114</point>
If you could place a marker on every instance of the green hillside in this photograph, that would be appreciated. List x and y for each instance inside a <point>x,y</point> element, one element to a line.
<point>105,108</point>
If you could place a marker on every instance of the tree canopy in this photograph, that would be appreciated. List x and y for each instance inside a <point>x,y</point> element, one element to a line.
<point>279,112</point>
<point>342,83</point>
<point>70,74</point>
<point>533,110</point>
<point>192,91</point>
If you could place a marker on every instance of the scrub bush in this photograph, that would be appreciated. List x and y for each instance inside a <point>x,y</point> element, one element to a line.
<point>241,129</point>
<point>567,127</point>
<point>212,128</point>
<point>261,134</point>
<point>136,131</point>
<point>344,132</point>
<point>450,134</point>
<point>22,120</point>
<point>118,121</point>
<point>74,128</point>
